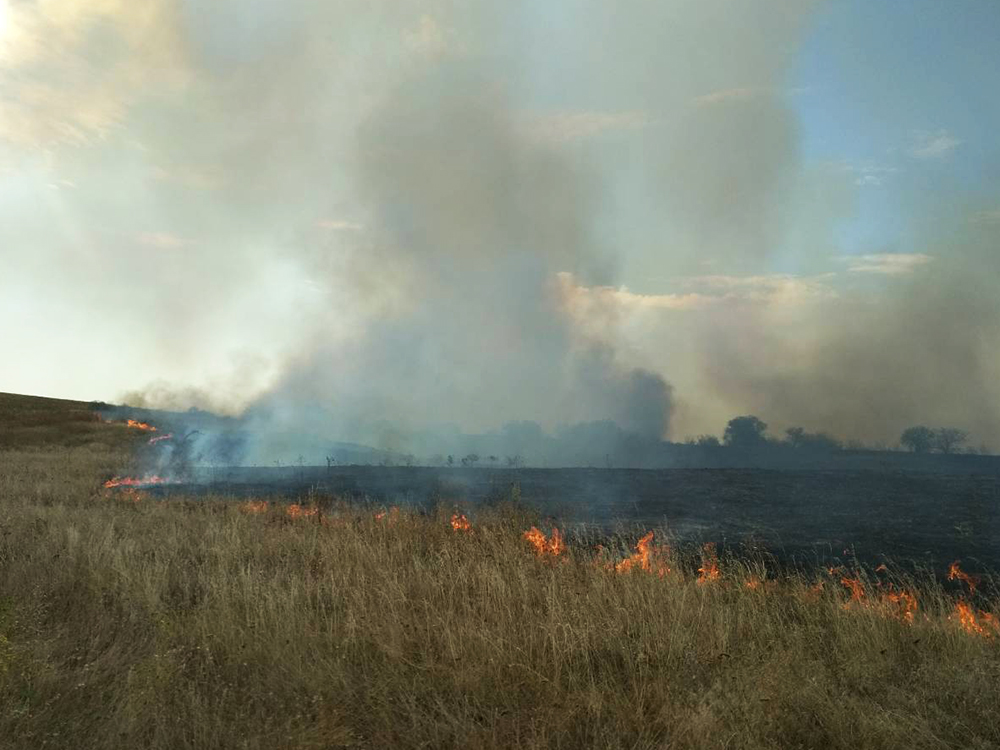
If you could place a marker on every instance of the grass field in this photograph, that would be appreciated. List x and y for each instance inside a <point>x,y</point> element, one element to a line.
<point>127,622</point>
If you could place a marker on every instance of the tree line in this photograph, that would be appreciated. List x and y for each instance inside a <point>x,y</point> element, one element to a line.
<point>750,432</point>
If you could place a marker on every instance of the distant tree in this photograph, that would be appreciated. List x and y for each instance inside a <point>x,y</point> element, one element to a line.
<point>949,439</point>
<point>493,460</point>
<point>707,441</point>
<point>451,460</point>
<point>918,439</point>
<point>409,459</point>
<point>470,460</point>
<point>514,461</point>
<point>819,442</point>
<point>745,432</point>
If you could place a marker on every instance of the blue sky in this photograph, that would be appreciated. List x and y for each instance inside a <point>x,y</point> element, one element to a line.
<point>877,75</point>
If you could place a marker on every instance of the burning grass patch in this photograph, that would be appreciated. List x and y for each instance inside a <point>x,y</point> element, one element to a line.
<point>216,624</point>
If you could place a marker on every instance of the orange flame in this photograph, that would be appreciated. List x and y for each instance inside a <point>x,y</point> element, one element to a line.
<point>393,515</point>
<point>856,587</point>
<point>971,624</point>
<point>554,546</point>
<point>253,506</point>
<point>460,523</point>
<point>301,511</point>
<point>642,558</point>
<point>753,583</point>
<point>956,573</point>
<point>709,570</point>
<point>904,603</point>
<point>990,619</point>
<point>136,482</point>
<point>140,425</point>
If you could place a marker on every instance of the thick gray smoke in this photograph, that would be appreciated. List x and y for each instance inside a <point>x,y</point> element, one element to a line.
<point>926,351</point>
<point>390,222</point>
<point>474,205</point>
<point>474,224</point>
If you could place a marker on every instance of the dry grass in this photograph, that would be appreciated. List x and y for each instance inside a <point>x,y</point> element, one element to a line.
<point>129,623</point>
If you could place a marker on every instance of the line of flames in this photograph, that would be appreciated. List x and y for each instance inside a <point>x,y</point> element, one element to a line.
<point>133,423</point>
<point>901,604</point>
<point>137,481</point>
<point>552,547</point>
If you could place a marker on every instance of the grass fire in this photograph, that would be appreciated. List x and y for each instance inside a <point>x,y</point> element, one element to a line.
<point>179,621</point>
<point>499,374</point>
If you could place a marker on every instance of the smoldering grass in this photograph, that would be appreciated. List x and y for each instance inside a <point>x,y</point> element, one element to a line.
<point>194,623</point>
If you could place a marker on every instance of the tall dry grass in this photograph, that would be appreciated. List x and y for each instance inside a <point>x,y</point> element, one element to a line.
<point>131,622</point>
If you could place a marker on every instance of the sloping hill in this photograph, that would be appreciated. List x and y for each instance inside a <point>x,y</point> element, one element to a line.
<point>36,422</point>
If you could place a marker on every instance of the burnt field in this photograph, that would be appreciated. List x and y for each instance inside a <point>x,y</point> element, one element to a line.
<point>805,516</point>
<point>183,615</point>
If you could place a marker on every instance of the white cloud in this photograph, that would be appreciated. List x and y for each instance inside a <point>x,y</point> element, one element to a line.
<point>933,145</point>
<point>737,94</point>
<point>774,289</point>
<point>572,126</point>
<point>197,178</point>
<point>704,292</point>
<point>339,226</point>
<point>987,217</point>
<point>429,38</point>
<point>866,174</point>
<point>742,93</point>
<point>889,264</point>
<point>161,240</point>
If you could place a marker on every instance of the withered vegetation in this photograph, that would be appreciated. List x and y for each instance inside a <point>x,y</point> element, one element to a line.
<point>131,622</point>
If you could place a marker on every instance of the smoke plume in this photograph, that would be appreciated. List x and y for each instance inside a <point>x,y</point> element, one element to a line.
<point>384,221</point>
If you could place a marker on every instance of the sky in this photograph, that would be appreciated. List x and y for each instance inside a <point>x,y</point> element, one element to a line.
<point>469,213</point>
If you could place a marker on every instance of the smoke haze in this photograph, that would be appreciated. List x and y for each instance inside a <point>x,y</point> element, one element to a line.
<point>389,218</point>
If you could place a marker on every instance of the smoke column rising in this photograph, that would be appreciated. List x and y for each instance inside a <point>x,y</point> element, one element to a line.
<point>344,214</point>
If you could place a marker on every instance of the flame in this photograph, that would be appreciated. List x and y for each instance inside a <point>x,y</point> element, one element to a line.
<point>155,440</point>
<point>460,523</point>
<point>856,587</point>
<point>709,570</point>
<point>881,569</point>
<point>140,425</point>
<point>904,603</point>
<point>301,511</point>
<point>393,515</point>
<point>971,624</point>
<point>753,583</point>
<point>990,619</point>
<point>554,546</point>
<point>137,482</point>
<point>643,558</point>
<point>253,506</point>
<point>956,573</point>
